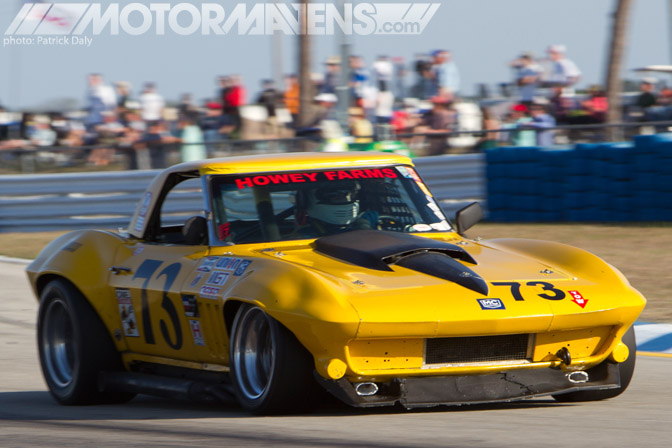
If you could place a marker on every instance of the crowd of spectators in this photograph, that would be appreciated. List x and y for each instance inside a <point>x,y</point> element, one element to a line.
<point>417,101</point>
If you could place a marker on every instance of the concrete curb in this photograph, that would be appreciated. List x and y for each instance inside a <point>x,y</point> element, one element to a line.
<point>653,338</point>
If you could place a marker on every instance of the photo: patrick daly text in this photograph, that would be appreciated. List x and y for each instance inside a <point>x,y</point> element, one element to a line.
<point>83,41</point>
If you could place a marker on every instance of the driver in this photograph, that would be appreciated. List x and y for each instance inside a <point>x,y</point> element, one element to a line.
<point>334,208</point>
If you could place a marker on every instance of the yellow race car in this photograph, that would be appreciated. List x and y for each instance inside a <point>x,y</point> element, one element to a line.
<point>296,273</point>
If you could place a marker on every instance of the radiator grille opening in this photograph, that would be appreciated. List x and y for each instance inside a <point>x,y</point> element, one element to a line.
<point>476,349</point>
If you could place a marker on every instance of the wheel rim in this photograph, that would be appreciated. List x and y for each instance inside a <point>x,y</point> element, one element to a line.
<point>58,343</point>
<point>254,353</point>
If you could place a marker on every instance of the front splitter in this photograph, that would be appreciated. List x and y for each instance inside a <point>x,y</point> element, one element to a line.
<point>414,392</point>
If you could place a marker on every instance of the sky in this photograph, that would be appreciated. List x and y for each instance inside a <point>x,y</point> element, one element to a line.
<point>483,35</point>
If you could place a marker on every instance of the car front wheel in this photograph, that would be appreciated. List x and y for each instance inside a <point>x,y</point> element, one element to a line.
<point>271,371</point>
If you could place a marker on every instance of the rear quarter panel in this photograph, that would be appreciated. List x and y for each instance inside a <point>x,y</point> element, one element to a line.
<point>83,258</point>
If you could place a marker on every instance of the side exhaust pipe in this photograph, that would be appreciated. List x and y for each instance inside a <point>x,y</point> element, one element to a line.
<point>175,388</point>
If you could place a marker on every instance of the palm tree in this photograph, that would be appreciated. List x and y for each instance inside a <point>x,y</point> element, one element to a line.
<point>613,78</point>
<point>305,83</point>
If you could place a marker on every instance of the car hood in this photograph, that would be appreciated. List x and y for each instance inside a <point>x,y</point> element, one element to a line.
<point>446,285</point>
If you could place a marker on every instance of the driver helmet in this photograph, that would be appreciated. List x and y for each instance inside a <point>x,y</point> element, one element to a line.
<point>337,204</point>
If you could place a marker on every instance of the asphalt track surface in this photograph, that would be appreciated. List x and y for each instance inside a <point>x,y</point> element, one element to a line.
<point>641,417</point>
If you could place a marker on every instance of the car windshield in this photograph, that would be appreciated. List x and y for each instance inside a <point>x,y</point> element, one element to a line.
<point>266,207</point>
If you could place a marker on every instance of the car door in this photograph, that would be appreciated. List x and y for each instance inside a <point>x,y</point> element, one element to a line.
<point>153,278</point>
<point>148,281</point>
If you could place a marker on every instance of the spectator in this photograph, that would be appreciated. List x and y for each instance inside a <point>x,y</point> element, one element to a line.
<point>562,106</point>
<point>270,97</point>
<point>400,74</point>
<point>192,140</point>
<point>447,76</point>
<point>517,119</point>
<point>384,103</point>
<point>406,119</point>
<point>490,123</point>
<point>155,142</point>
<point>187,107</point>
<point>596,106</point>
<point>360,128</point>
<point>324,109</point>
<point>384,70</point>
<point>100,98</point>
<point>41,133</point>
<point>108,133</point>
<point>541,121</point>
<point>563,72</point>
<point>647,98</point>
<point>665,97</point>
<point>236,97</point>
<point>439,121</point>
<point>292,95</point>
<point>123,90</point>
<point>425,86</point>
<point>224,84</point>
<point>528,75</point>
<point>332,75</point>
<point>151,104</point>
<point>359,79</point>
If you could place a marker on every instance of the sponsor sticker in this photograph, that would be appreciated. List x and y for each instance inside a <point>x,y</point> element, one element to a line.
<point>421,228</point>
<point>196,332</point>
<point>196,279</point>
<point>228,264</point>
<point>491,304</point>
<point>207,264</point>
<point>237,265</point>
<point>241,269</point>
<point>578,298</point>
<point>128,320</point>
<point>209,292</point>
<point>217,278</point>
<point>321,176</point>
<point>404,172</point>
<point>140,222</point>
<point>419,182</point>
<point>443,225</point>
<point>190,304</point>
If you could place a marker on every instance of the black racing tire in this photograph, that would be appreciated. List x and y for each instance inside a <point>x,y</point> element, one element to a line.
<point>625,369</point>
<point>74,347</point>
<point>271,372</point>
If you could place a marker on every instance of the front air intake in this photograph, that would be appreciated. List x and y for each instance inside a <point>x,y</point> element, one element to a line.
<point>476,349</point>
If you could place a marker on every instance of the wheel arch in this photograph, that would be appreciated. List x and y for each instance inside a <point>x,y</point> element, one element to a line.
<point>108,314</point>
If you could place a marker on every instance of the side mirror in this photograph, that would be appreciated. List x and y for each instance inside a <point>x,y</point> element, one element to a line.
<point>468,216</point>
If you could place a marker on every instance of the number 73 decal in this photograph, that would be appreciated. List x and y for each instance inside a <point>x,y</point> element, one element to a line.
<point>145,272</point>
<point>550,292</point>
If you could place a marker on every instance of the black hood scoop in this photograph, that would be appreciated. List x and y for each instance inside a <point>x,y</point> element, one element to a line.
<point>378,249</point>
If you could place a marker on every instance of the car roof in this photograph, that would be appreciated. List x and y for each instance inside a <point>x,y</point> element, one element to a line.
<point>291,162</point>
<point>258,164</point>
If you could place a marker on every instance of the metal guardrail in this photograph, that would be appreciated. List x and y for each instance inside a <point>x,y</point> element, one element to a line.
<point>46,202</point>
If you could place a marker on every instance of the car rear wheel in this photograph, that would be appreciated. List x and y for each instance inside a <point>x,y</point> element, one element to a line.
<point>625,369</point>
<point>271,371</point>
<point>74,347</point>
